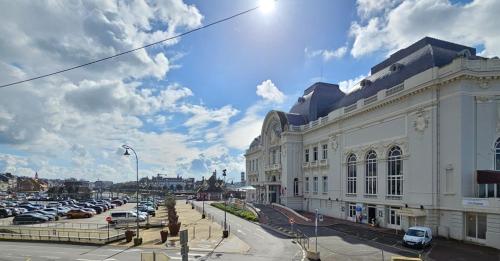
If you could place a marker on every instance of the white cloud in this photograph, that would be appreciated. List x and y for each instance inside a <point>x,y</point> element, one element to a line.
<point>350,85</point>
<point>270,92</point>
<point>326,54</point>
<point>392,25</point>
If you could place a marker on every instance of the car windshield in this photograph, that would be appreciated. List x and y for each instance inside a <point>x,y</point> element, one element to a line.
<point>415,233</point>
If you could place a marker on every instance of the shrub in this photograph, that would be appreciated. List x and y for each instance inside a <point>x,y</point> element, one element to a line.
<point>242,213</point>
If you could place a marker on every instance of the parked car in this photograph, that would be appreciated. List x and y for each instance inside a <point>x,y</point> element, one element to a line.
<point>91,210</point>
<point>97,209</point>
<point>417,237</point>
<point>117,202</point>
<point>49,215</point>
<point>29,218</point>
<point>79,213</point>
<point>147,209</point>
<point>4,212</point>
<point>54,211</point>
<point>54,204</point>
<point>125,217</point>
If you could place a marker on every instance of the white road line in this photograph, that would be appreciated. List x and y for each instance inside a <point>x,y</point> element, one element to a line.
<point>239,231</point>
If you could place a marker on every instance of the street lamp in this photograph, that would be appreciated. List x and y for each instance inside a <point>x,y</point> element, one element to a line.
<point>137,240</point>
<point>204,187</point>
<point>225,233</point>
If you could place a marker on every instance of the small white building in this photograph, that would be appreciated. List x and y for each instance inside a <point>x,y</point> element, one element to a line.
<point>418,143</point>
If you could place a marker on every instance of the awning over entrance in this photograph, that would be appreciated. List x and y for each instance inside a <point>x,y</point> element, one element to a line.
<point>488,176</point>
<point>410,212</point>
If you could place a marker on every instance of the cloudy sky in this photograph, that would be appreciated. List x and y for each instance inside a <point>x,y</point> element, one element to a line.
<point>193,104</point>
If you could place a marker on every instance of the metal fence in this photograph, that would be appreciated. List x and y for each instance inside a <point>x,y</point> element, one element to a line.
<point>52,224</point>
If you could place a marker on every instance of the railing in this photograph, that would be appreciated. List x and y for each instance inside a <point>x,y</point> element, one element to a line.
<point>394,90</point>
<point>350,108</point>
<point>323,162</point>
<point>314,163</point>
<point>305,164</point>
<point>370,100</point>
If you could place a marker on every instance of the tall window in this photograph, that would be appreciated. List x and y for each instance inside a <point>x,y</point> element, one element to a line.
<point>315,185</point>
<point>274,157</point>
<point>315,153</point>
<point>257,165</point>
<point>306,185</point>
<point>325,184</point>
<point>306,155</point>
<point>497,154</point>
<point>325,151</point>
<point>371,173</point>
<point>351,174</point>
<point>296,186</point>
<point>352,210</point>
<point>395,172</point>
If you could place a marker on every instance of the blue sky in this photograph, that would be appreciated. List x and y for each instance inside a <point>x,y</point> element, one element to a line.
<point>193,104</point>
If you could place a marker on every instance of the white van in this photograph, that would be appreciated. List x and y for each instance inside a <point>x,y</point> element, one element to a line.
<point>124,217</point>
<point>417,237</point>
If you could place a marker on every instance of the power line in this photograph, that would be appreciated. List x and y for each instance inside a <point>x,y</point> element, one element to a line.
<point>130,51</point>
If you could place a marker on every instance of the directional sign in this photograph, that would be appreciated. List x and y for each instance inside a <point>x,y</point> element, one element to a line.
<point>320,217</point>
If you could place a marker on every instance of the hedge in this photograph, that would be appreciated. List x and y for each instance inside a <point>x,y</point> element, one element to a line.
<point>242,213</point>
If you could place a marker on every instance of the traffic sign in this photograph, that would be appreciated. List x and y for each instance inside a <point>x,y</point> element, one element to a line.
<point>108,219</point>
<point>291,221</point>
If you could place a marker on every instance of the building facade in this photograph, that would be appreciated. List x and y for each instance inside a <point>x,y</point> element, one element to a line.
<point>417,143</point>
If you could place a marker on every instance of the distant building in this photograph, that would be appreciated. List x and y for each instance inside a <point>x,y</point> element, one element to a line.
<point>210,189</point>
<point>172,183</point>
<point>8,182</point>
<point>27,184</point>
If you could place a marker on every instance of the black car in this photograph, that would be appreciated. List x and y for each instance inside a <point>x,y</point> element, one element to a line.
<point>97,209</point>
<point>29,218</point>
<point>5,213</point>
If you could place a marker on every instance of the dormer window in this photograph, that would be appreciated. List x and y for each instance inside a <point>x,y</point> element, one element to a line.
<point>301,99</point>
<point>464,53</point>
<point>365,82</point>
<point>396,67</point>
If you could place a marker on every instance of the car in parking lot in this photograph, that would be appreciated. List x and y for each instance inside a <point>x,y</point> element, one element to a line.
<point>117,202</point>
<point>147,209</point>
<point>49,215</point>
<point>29,218</point>
<point>127,216</point>
<point>79,213</point>
<point>5,212</point>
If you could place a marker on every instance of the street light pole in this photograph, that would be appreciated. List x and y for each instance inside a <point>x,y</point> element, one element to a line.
<point>225,233</point>
<point>126,147</point>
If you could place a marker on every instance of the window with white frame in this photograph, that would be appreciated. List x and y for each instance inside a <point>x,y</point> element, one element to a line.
<point>296,186</point>
<point>306,155</point>
<point>315,153</point>
<point>395,172</point>
<point>394,217</point>
<point>325,151</point>
<point>351,174</point>
<point>352,210</point>
<point>325,184</point>
<point>371,173</point>
<point>315,185</point>
<point>306,185</point>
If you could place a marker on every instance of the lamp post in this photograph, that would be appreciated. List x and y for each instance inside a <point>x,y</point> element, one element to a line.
<point>204,195</point>
<point>137,240</point>
<point>225,233</point>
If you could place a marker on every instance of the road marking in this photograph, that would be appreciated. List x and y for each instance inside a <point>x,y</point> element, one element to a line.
<point>241,232</point>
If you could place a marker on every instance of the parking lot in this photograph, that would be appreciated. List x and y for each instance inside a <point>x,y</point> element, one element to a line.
<point>98,219</point>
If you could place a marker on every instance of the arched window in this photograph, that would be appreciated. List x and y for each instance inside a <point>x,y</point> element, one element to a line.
<point>371,173</point>
<point>395,172</point>
<point>351,174</point>
<point>296,186</point>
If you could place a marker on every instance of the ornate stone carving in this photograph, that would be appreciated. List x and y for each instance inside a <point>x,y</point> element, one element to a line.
<point>333,142</point>
<point>421,122</point>
<point>484,84</point>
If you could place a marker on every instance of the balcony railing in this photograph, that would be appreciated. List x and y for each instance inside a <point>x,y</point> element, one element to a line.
<point>305,165</point>
<point>314,163</point>
<point>323,163</point>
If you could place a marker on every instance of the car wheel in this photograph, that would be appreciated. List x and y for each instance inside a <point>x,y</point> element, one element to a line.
<point>87,216</point>
<point>69,216</point>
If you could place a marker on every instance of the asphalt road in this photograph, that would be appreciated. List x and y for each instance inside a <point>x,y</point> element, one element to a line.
<point>264,244</point>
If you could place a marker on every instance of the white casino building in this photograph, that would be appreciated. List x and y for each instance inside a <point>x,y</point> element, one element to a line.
<point>417,144</point>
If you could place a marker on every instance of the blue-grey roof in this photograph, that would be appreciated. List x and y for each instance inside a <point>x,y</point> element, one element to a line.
<point>321,98</point>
